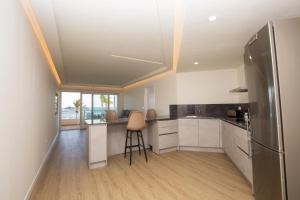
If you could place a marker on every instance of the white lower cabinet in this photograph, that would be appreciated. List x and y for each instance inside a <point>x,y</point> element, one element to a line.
<point>97,145</point>
<point>202,133</point>
<point>168,140</point>
<point>236,146</point>
<point>209,133</point>
<point>164,136</point>
<point>188,132</point>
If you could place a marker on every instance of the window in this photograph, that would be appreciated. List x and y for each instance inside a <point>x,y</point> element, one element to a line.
<point>113,102</point>
<point>70,103</point>
<point>103,103</point>
<point>86,100</point>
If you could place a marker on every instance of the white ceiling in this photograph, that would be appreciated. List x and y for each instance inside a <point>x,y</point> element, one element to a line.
<point>82,35</point>
<point>219,44</point>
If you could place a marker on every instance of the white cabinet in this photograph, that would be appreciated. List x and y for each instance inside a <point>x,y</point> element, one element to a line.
<point>188,132</point>
<point>236,146</point>
<point>97,144</point>
<point>201,133</point>
<point>209,133</point>
<point>228,140</point>
<point>168,140</point>
<point>164,137</point>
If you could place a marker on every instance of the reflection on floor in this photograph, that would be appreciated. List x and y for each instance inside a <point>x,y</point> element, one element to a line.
<point>176,175</point>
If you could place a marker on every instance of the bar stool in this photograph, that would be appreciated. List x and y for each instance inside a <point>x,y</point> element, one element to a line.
<point>111,115</point>
<point>136,123</point>
<point>151,114</point>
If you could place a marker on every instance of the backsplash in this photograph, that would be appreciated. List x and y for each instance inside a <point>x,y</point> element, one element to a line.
<point>208,110</point>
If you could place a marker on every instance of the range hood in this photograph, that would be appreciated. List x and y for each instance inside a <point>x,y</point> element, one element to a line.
<point>238,90</point>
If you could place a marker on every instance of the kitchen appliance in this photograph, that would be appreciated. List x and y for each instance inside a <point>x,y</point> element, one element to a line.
<point>231,113</point>
<point>272,67</point>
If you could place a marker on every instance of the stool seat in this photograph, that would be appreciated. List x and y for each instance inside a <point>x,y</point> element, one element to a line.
<point>136,123</point>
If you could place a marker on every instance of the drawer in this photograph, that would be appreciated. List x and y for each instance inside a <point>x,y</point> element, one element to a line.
<point>166,123</point>
<point>242,141</point>
<point>167,129</point>
<point>167,141</point>
<point>244,163</point>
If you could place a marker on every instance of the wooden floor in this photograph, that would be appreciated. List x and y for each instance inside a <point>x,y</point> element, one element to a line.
<point>177,175</point>
<point>70,127</point>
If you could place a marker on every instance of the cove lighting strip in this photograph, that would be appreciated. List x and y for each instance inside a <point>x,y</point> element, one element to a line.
<point>39,35</point>
<point>178,27</point>
<point>137,59</point>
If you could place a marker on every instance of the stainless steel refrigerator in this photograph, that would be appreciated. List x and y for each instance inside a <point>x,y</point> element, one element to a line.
<point>272,67</point>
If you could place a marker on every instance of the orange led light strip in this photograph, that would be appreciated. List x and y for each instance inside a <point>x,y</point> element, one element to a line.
<point>39,35</point>
<point>178,26</point>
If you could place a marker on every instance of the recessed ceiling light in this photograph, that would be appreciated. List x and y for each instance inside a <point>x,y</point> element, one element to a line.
<point>212,18</point>
<point>196,63</point>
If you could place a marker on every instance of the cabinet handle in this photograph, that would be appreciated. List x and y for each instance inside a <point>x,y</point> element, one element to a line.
<point>242,150</point>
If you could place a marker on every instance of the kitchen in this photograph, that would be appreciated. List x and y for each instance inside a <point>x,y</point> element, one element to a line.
<point>224,128</point>
<point>171,99</point>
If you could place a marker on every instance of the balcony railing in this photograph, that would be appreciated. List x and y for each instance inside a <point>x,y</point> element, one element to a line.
<point>98,113</point>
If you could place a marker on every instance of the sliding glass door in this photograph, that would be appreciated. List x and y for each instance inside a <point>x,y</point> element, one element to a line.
<point>95,106</point>
<point>70,109</point>
<point>87,109</point>
<point>113,102</point>
<point>100,105</point>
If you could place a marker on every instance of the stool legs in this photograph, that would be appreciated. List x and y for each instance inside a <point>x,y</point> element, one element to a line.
<point>126,144</point>
<point>130,146</point>
<point>144,146</point>
<point>139,135</point>
<point>138,139</point>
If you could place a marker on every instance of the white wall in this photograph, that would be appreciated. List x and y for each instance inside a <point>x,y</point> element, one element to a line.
<point>243,97</point>
<point>201,87</point>
<point>149,98</point>
<point>27,95</point>
<point>134,99</point>
<point>207,87</point>
<point>165,94</point>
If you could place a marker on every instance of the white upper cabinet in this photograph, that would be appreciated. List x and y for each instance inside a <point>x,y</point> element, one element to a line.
<point>188,132</point>
<point>209,133</point>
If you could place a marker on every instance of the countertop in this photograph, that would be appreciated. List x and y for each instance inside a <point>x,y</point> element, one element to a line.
<point>122,120</point>
<point>236,122</point>
<point>233,121</point>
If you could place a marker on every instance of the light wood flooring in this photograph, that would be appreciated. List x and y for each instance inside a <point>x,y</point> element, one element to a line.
<point>70,127</point>
<point>176,175</point>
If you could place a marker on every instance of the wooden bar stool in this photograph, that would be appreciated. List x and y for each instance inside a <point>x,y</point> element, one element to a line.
<point>151,114</point>
<point>111,115</point>
<point>136,123</point>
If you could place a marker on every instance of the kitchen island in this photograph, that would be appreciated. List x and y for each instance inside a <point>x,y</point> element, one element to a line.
<point>162,134</point>
<point>107,138</point>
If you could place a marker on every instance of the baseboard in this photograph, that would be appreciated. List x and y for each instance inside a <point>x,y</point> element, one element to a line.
<point>167,150</point>
<point>201,149</point>
<point>28,194</point>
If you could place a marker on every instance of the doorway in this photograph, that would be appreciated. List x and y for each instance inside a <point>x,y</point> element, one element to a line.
<point>78,107</point>
<point>70,110</point>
